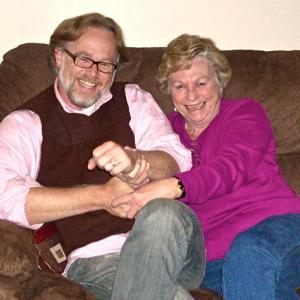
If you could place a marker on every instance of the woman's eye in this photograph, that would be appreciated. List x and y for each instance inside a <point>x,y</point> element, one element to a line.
<point>178,86</point>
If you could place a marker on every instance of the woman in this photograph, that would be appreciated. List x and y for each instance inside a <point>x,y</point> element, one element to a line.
<point>249,215</point>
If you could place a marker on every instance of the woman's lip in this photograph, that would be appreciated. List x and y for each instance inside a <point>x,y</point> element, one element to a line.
<point>197,106</point>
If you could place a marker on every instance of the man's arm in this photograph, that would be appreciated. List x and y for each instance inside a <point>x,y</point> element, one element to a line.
<point>123,160</point>
<point>22,199</point>
<point>153,133</point>
<point>155,141</point>
<point>48,204</point>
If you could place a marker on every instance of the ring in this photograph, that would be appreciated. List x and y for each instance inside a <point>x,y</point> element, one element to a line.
<point>114,163</point>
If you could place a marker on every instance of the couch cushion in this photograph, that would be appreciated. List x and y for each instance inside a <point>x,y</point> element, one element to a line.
<point>18,257</point>
<point>24,72</point>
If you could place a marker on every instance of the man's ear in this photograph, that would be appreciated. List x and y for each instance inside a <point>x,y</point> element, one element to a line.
<point>58,54</point>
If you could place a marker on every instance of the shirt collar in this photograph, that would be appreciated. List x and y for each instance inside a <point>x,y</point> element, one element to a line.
<point>105,97</point>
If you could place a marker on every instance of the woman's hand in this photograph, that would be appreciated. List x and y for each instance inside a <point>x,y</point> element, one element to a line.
<point>135,201</point>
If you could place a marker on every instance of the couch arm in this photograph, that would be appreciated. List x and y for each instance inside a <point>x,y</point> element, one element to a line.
<point>20,277</point>
<point>18,257</point>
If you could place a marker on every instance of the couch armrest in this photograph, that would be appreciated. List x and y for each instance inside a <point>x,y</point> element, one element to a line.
<point>18,257</point>
<point>20,277</point>
<point>290,167</point>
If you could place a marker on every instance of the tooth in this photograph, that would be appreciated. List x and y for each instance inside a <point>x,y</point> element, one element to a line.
<point>87,83</point>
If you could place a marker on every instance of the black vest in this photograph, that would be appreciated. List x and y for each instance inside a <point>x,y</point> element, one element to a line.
<point>68,141</point>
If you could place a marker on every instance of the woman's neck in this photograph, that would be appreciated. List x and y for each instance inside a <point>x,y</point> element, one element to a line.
<point>194,131</point>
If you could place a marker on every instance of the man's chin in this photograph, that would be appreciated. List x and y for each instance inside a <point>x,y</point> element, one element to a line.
<point>83,103</point>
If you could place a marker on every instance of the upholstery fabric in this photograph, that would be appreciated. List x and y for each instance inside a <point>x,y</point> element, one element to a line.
<point>271,77</point>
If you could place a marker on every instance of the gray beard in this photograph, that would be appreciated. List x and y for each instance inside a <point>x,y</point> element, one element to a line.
<point>82,102</point>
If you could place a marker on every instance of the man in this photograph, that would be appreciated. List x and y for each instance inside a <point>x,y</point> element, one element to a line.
<point>70,151</point>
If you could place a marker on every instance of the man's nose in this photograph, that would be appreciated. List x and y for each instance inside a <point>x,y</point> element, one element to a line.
<point>93,70</point>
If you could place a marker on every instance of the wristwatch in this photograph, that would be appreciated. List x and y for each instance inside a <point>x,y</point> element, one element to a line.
<point>181,187</point>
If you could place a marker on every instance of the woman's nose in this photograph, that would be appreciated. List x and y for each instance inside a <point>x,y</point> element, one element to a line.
<point>191,95</point>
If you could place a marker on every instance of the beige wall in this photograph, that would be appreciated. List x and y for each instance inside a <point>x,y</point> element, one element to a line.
<point>233,24</point>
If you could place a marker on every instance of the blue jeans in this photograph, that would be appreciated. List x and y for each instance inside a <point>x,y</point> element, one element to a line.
<point>162,258</point>
<point>263,262</point>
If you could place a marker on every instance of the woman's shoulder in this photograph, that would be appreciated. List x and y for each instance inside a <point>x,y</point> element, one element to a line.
<point>242,105</point>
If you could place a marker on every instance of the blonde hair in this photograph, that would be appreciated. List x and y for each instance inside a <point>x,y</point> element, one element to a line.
<point>182,50</point>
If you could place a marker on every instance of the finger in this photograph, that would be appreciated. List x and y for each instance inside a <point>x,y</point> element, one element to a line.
<point>123,210</point>
<point>105,147</point>
<point>135,170</point>
<point>118,168</point>
<point>108,166</point>
<point>123,200</point>
<point>91,164</point>
<point>145,166</point>
<point>132,212</point>
<point>143,177</point>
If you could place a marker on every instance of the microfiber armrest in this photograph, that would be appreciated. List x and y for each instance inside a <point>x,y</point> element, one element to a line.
<point>290,167</point>
<point>20,277</point>
<point>18,257</point>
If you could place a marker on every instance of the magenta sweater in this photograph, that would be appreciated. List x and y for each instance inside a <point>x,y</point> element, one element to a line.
<point>235,181</point>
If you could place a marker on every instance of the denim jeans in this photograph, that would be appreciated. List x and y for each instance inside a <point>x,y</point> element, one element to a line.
<point>263,262</point>
<point>162,258</point>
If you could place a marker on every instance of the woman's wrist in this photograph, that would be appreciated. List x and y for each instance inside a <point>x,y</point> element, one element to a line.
<point>181,193</point>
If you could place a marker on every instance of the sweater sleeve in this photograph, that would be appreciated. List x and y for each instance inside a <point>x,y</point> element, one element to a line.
<point>241,138</point>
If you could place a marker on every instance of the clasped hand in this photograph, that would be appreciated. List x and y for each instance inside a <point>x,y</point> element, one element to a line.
<point>128,164</point>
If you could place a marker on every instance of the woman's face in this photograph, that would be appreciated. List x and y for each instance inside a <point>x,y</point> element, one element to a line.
<point>195,93</point>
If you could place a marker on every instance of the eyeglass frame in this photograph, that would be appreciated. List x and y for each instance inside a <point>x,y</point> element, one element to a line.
<point>93,62</point>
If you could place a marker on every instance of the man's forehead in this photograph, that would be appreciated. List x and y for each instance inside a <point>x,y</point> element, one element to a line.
<point>95,41</point>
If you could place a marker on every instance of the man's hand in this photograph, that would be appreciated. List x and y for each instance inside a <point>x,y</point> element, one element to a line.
<point>123,162</point>
<point>113,158</point>
<point>139,175</point>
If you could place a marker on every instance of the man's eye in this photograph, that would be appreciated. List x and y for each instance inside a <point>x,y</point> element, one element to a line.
<point>84,60</point>
<point>106,64</point>
<point>178,86</point>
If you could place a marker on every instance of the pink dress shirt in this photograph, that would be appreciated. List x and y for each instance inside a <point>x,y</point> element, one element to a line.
<point>20,146</point>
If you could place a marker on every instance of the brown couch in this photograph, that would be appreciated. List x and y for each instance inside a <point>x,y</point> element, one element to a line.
<point>271,77</point>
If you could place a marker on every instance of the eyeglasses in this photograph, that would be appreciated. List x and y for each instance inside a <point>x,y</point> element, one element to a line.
<point>85,62</point>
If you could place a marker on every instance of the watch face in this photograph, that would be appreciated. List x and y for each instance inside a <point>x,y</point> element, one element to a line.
<point>181,187</point>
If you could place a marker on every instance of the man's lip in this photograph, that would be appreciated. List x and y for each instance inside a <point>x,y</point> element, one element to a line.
<point>87,83</point>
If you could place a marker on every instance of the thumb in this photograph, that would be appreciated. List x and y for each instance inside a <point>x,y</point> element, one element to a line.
<point>119,201</point>
<point>91,164</point>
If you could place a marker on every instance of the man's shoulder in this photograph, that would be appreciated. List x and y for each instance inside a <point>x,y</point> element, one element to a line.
<point>41,101</point>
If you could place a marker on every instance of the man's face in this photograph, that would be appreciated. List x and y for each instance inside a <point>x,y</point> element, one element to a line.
<point>84,86</point>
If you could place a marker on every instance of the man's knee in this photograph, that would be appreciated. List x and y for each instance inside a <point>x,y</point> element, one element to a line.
<point>162,217</point>
<point>166,210</point>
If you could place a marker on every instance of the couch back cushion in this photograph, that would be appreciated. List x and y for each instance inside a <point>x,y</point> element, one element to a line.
<point>271,77</point>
